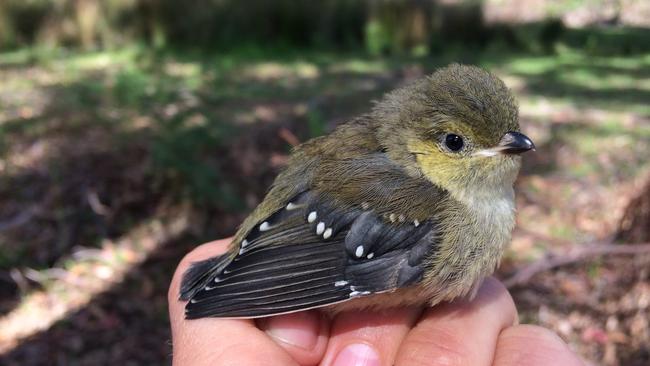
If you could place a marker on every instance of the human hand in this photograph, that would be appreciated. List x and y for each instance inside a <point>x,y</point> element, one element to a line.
<point>483,331</point>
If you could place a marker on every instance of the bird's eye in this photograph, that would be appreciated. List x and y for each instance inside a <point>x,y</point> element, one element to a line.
<point>454,142</point>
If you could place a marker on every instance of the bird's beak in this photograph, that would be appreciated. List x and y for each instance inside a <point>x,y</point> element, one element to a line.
<point>515,143</point>
<point>511,143</point>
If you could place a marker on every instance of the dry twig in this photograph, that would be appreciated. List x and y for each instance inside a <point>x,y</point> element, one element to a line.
<point>20,219</point>
<point>554,260</point>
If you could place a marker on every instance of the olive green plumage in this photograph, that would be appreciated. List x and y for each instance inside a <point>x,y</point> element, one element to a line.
<point>442,151</point>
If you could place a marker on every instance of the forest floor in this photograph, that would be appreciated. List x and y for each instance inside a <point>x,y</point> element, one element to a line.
<point>115,164</point>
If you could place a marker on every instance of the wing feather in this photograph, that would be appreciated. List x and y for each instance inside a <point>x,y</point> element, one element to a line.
<point>290,262</point>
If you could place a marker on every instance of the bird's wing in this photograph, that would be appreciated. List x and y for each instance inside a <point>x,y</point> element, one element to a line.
<point>309,254</point>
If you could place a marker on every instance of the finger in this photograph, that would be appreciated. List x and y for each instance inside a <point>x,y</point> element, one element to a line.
<point>533,346</point>
<point>176,307</point>
<point>462,332</point>
<point>368,338</point>
<point>213,341</point>
<point>304,335</point>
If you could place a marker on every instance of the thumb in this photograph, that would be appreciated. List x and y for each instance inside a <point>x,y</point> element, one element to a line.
<point>214,341</point>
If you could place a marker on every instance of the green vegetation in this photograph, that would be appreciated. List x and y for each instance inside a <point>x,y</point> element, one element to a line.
<point>185,111</point>
<point>124,87</point>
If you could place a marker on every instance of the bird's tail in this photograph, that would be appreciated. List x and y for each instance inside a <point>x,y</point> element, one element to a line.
<point>200,274</point>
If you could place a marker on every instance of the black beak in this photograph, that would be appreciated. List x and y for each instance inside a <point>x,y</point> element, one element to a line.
<point>515,143</point>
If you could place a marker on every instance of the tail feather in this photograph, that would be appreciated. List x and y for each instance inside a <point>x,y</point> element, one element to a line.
<point>200,274</point>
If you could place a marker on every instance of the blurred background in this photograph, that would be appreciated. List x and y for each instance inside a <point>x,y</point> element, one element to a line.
<point>133,130</point>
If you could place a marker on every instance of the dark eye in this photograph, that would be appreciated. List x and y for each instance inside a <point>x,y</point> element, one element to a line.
<point>454,142</point>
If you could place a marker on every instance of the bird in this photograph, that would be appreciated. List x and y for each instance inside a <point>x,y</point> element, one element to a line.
<point>411,203</point>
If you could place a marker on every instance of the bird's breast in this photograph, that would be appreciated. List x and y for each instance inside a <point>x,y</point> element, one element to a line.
<point>474,239</point>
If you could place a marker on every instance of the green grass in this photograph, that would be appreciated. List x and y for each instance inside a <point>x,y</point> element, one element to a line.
<point>119,89</point>
<point>615,83</point>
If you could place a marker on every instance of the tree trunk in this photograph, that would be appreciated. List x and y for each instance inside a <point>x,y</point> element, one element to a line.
<point>87,14</point>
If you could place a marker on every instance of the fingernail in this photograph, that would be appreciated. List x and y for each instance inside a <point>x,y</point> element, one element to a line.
<point>357,354</point>
<point>297,329</point>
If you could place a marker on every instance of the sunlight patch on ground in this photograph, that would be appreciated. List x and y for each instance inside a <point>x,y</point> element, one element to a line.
<point>358,66</point>
<point>85,274</point>
<point>550,110</point>
<point>269,71</point>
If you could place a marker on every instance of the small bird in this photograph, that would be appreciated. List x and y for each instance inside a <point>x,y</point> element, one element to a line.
<point>412,203</point>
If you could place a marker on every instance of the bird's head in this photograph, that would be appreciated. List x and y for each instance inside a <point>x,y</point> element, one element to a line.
<point>458,127</point>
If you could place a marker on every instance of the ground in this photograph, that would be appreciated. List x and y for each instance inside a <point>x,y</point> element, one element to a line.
<point>114,164</point>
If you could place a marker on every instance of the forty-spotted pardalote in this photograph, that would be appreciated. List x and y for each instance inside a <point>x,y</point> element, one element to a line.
<point>411,203</point>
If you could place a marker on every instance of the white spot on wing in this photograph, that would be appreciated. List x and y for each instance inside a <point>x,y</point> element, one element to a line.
<point>292,206</point>
<point>392,217</point>
<point>244,243</point>
<point>359,293</point>
<point>320,228</point>
<point>370,255</point>
<point>327,233</point>
<point>312,216</point>
<point>416,223</point>
<point>340,283</point>
<point>359,251</point>
<point>265,226</point>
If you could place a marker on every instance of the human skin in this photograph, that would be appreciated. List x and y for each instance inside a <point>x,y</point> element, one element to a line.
<point>481,331</point>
